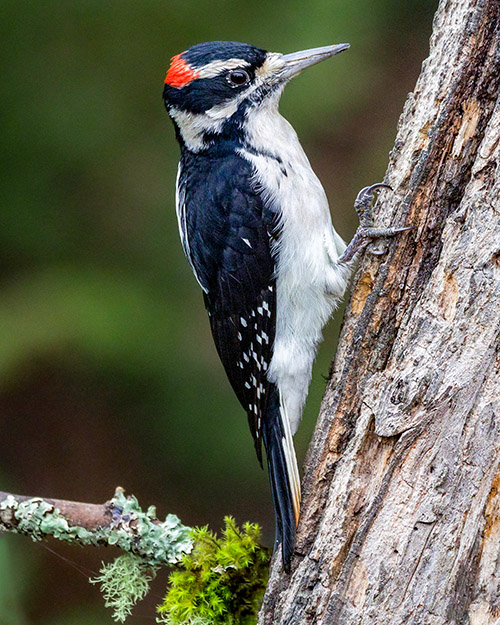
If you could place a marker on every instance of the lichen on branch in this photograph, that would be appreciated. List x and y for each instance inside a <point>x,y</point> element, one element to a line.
<point>217,581</point>
<point>120,522</point>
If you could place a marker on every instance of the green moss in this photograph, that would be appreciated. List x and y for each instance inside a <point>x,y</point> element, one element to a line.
<point>222,581</point>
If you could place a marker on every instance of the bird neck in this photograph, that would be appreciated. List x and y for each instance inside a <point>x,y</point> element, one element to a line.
<point>269,134</point>
<point>216,130</point>
<point>224,129</point>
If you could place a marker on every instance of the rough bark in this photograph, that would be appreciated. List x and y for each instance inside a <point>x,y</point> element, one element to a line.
<point>401,511</point>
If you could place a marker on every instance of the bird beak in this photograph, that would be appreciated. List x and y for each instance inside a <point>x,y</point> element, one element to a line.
<point>297,61</point>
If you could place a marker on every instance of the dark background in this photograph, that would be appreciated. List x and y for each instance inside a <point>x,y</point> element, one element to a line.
<point>108,375</point>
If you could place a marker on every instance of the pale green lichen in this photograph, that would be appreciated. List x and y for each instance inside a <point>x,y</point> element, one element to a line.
<point>124,582</point>
<point>131,529</point>
<point>160,543</point>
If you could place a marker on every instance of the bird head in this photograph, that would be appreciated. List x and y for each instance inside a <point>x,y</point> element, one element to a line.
<point>212,88</point>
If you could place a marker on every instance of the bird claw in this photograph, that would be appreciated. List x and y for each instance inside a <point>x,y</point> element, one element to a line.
<point>366,232</point>
<point>363,204</point>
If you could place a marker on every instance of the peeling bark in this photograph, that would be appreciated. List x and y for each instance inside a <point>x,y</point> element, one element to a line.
<point>401,512</point>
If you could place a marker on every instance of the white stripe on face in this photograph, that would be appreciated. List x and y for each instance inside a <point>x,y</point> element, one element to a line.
<point>273,63</point>
<point>214,68</point>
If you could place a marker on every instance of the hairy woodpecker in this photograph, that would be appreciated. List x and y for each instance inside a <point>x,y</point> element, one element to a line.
<point>256,229</point>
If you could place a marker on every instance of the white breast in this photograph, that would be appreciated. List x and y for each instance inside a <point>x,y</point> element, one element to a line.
<point>309,281</point>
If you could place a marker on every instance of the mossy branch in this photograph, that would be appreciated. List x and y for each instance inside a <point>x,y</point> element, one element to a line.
<point>219,581</point>
<point>120,522</point>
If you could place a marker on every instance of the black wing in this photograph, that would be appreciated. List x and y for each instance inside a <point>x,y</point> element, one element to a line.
<point>227,235</point>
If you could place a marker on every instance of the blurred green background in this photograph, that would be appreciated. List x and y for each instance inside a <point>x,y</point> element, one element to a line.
<point>108,375</point>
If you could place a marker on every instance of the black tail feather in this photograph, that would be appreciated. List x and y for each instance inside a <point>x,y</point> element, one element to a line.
<point>273,435</point>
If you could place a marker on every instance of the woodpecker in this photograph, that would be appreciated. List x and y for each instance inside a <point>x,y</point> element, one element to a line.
<point>256,229</point>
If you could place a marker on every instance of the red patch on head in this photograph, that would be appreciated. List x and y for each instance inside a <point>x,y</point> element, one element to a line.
<point>180,73</point>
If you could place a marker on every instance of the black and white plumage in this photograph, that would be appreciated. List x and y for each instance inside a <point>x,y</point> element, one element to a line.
<point>255,226</point>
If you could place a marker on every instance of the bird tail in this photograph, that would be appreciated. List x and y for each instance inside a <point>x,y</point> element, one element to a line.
<point>283,475</point>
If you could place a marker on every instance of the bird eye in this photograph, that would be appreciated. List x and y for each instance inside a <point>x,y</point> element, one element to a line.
<point>238,78</point>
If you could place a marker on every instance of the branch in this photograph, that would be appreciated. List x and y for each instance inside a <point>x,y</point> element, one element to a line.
<point>220,576</point>
<point>120,522</point>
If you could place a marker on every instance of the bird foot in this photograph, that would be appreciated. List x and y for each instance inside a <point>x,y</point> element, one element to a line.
<point>366,231</point>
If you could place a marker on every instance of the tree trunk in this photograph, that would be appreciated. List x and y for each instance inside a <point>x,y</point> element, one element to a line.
<point>401,512</point>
